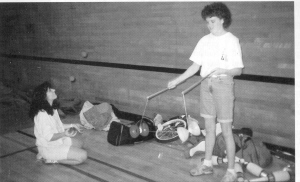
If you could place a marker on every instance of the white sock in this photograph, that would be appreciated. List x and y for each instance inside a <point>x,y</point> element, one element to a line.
<point>207,163</point>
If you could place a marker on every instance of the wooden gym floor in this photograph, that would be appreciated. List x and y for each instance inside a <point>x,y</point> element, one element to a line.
<point>148,161</point>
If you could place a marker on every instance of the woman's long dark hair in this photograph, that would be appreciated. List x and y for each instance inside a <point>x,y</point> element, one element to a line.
<point>39,101</point>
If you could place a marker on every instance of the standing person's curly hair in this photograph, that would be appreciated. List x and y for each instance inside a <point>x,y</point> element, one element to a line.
<point>219,10</point>
<point>39,100</point>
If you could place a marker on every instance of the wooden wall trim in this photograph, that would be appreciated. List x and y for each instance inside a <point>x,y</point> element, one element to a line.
<point>245,77</point>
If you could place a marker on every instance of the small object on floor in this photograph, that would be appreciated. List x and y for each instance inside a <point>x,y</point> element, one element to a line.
<point>160,127</point>
<point>239,172</point>
<point>157,119</point>
<point>47,161</point>
<point>193,126</point>
<point>183,134</point>
<point>134,131</point>
<point>144,129</point>
<point>254,169</point>
<point>160,155</point>
<point>216,160</point>
<point>274,176</point>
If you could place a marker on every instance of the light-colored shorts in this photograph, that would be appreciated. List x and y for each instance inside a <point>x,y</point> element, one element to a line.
<point>217,98</point>
<point>56,153</point>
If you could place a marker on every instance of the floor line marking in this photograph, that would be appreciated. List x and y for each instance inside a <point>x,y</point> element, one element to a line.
<point>99,161</point>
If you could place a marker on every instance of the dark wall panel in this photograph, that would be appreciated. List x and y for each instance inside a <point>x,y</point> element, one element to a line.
<point>147,33</point>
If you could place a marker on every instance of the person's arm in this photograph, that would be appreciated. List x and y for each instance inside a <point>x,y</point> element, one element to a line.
<point>66,133</point>
<point>188,73</point>
<point>67,126</point>
<point>46,130</point>
<point>77,126</point>
<point>57,136</point>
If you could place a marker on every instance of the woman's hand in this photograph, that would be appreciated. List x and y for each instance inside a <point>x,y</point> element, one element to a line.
<point>78,127</point>
<point>71,132</point>
<point>187,74</point>
<point>172,84</point>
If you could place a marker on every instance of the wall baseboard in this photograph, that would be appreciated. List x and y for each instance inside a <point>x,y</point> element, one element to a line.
<point>245,77</point>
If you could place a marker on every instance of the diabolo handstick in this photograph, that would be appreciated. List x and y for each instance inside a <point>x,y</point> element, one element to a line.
<point>239,172</point>
<point>274,177</point>
<point>194,85</point>
<point>216,160</point>
<point>157,93</point>
<point>255,169</point>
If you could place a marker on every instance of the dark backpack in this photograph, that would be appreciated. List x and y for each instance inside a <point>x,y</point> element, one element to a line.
<point>247,148</point>
<point>119,134</point>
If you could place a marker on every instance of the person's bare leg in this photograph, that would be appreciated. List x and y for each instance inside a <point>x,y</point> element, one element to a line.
<point>230,145</point>
<point>206,166</point>
<point>75,156</point>
<point>230,174</point>
<point>76,142</point>
<point>210,138</point>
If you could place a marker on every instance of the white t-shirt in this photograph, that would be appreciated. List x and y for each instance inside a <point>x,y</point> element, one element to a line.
<point>217,52</point>
<point>45,126</point>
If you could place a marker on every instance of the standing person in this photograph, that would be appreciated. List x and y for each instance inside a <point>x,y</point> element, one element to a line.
<point>53,138</point>
<point>220,58</point>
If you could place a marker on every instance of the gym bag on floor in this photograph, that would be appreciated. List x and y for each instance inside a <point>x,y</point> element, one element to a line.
<point>119,133</point>
<point>247,148</point>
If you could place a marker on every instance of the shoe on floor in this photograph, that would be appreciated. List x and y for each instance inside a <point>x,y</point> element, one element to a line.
<point>229,177</point>
<point>47,161</point>
<point>201,170</point>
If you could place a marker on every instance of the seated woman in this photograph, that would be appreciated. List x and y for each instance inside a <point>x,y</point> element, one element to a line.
<point>54,139</point>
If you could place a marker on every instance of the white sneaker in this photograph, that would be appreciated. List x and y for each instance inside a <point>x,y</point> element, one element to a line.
<point>47,161</point>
